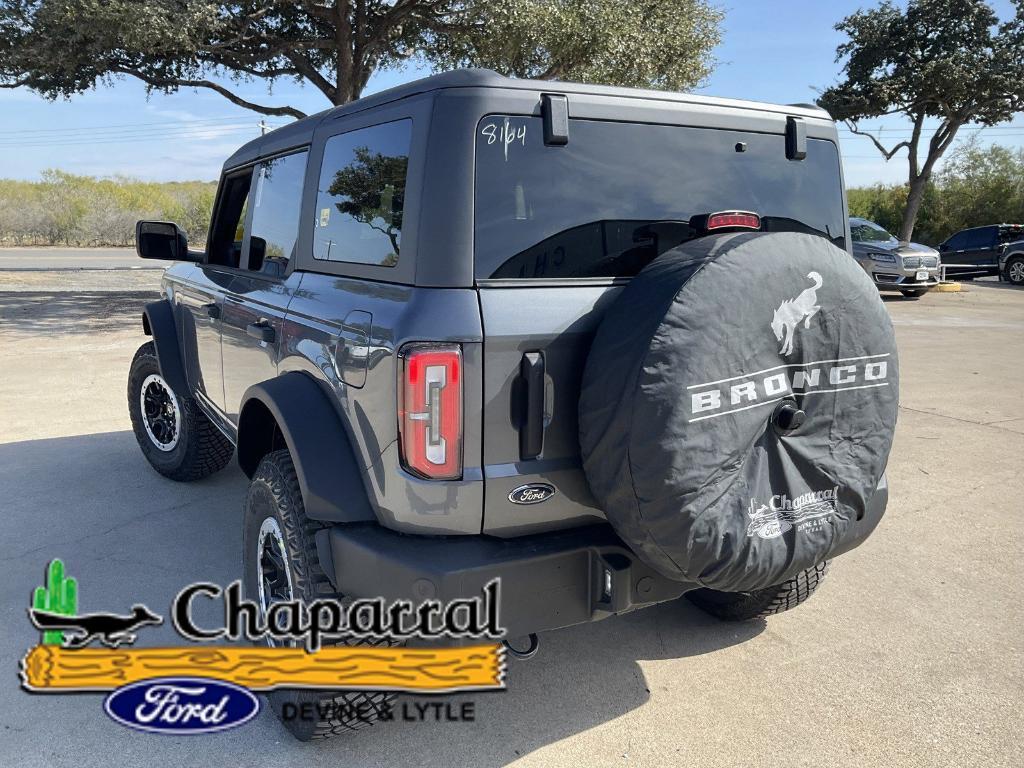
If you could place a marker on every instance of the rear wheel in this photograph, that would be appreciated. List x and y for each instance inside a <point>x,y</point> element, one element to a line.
<point>914,293</point>
<point>744,606</point>
<point>177,438</point>
<point>1014,272</point>
<point>280,562</point>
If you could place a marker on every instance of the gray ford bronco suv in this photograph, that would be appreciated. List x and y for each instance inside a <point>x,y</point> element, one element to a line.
<point>607,345</point>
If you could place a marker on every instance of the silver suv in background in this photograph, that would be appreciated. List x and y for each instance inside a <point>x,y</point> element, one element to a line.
<point>910,268</point>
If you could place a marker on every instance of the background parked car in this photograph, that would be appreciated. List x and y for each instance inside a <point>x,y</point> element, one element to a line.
<point>1011,263</point>
<point>976,252</point>
<point>910,268</point>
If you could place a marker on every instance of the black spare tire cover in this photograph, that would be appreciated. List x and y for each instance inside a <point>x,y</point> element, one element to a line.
<point>692,397</point>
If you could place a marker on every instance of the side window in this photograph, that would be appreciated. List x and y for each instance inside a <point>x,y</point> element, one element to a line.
<point>276,200</point>
<point>985,237</point>
<point>228,229</point>
<point>957,242</point>
<point>361,195</point>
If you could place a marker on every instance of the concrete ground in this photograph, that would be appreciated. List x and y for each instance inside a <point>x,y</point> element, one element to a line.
<point>73,258</point>
<point>911,654</point>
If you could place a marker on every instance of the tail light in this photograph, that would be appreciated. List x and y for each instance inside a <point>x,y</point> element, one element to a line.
<point>430,410</point>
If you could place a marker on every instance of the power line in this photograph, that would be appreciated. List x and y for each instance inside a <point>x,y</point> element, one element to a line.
<point>119,126</point>
<point>180,132</point>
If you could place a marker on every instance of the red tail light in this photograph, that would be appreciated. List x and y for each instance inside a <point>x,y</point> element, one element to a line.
<point>430,410</point>
<point>741,219</point>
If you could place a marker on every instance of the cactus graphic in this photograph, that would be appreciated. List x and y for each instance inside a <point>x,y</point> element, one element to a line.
<point>60,595</point>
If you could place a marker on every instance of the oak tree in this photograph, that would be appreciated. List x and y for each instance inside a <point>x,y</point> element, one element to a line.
<point>947,62</point>
<point>62,47</point>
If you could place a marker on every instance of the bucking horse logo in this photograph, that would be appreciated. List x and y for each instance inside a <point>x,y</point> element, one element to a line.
<point>792,311</point>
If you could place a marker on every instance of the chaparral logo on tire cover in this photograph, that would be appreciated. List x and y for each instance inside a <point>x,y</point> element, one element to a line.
<point>771,520</point>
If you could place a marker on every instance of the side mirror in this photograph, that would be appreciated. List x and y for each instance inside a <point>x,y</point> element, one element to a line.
<point>943,247</point>
<point>161,240</point>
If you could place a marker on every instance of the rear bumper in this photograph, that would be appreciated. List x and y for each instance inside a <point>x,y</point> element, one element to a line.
<point>548,581</point>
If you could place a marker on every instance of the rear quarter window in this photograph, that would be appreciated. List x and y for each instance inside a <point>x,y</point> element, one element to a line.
<point>361,195</point>
<point>619,194</point>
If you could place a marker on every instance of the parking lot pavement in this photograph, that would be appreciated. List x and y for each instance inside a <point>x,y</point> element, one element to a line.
<point>911,654</point>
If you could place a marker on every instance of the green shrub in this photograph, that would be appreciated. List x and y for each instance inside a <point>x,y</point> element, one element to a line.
<point>65,209</point>
<point>976,186</point>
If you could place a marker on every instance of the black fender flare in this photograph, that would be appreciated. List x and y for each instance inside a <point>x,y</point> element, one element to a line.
<point>158,322</point>
<point>294,408</point>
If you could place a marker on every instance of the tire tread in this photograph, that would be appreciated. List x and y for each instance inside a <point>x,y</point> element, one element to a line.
<point>277,471</point>
<point>761,603</point>
<point>207,449</point>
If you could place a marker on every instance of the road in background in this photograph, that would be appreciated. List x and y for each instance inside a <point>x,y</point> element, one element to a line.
<point>73,258</point>
<point>910,654</point>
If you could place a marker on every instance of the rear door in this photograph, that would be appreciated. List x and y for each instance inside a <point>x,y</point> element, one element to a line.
<point>255,305</point>
<point>558,231</point>
<point>980,250</point>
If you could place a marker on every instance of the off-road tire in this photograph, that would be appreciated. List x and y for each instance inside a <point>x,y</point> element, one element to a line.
<point>914,293</point>
<point>744,606</point>
<point>201,449</point>
<point>274,490</point>
<point>1014,264</point>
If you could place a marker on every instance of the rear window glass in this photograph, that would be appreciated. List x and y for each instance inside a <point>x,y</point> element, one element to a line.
<point>619,194</point>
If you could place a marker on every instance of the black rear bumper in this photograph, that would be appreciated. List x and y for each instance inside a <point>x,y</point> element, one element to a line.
<point>548,581</point>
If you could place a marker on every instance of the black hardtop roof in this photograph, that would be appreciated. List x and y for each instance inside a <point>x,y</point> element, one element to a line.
<point>301,131</point>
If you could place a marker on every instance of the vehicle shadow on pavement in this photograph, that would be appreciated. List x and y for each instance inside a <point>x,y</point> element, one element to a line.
<point>71,312</point>
<point>129,535</point>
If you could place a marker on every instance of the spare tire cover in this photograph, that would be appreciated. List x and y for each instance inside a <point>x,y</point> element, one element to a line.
<point>681,441</point>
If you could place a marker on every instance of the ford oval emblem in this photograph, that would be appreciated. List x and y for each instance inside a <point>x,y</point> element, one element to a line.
<point>534,493</point>
<point>182,705</point>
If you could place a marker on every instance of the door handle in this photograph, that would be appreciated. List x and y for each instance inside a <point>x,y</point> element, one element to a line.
<point>531,429</point>
<point>213,311</point>
<point>262,331</point>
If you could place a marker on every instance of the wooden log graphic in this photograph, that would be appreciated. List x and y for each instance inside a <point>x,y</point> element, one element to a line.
<point>50,668</point>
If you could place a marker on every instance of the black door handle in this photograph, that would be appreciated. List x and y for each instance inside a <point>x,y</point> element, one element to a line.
<point>213,311</point>
<point>531,430</point>
<point>262,331</point>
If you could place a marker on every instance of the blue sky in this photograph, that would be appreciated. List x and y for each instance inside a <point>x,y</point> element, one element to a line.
<point>771,51</point>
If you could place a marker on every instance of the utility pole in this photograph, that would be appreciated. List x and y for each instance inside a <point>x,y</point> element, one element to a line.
<point>263,127</point>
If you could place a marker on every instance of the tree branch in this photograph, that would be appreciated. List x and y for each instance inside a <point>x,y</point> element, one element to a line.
<point>887,153</point>
<point>305,67</point>
<point>173,82</point>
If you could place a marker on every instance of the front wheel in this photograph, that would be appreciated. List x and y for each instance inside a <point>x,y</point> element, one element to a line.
<point>760,603</point>
<point>1014,272</point>
<point>177,438</point>
<point>914,293</point>
<point>280,563</point>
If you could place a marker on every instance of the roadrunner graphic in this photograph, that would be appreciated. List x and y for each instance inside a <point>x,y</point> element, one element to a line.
<point>792,311</point>
<point>109,628</point>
